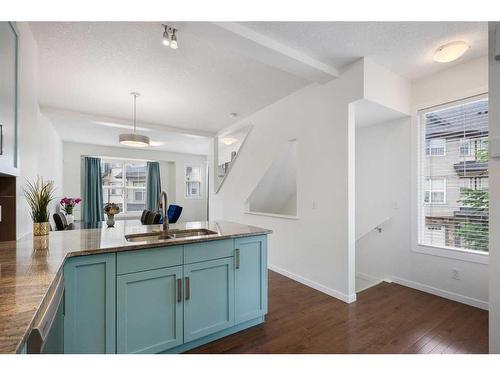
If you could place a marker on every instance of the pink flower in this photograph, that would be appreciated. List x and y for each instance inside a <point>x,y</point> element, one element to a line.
<point>70,201</point>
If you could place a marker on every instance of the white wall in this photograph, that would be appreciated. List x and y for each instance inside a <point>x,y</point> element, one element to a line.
<point>312,249</point>
<point>382,191</point>
<point>394,146</point>
<point>494,180</point>
<point>456,83</point>
<point>40,147</point>
<point>384,87</point>
<point>171,172</point>
<point>315,248</point>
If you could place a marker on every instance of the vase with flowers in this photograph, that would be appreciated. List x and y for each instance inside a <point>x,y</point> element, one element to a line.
<point>111,209</point>
<point>68,204</point>
<point>39,194</point>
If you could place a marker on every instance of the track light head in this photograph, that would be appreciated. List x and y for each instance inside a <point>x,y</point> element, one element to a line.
<point>173,42</point>
<point>166,39</point>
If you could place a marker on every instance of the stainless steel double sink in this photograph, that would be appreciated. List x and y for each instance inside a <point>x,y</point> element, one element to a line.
<point>169,235</point>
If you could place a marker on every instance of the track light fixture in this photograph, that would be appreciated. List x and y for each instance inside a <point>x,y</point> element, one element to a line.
<point>169,37</point>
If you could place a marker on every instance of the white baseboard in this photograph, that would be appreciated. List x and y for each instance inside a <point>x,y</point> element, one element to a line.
<point>369,278</point>
<point>442,293</point>
<point>372,281</point>
<point>313,284</point>
<point>408,283</point>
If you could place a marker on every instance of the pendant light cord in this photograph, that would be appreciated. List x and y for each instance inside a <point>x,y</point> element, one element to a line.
<point>135,95</point>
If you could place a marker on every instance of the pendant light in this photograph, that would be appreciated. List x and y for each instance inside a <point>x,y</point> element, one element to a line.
<point>134,140</point>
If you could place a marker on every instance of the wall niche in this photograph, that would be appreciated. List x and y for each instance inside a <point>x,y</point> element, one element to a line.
<point>276,192</point>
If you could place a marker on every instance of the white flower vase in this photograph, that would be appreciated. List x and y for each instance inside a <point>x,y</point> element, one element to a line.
<point>70,219</point>
<point>111,221</point>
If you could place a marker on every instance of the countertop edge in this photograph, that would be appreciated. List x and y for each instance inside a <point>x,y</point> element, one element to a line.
<point>168,243</point>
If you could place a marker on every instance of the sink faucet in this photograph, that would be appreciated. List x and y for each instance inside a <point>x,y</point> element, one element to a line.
<point>163,203</point>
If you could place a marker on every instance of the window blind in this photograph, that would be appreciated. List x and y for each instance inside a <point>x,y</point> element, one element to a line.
<point>453,176</point>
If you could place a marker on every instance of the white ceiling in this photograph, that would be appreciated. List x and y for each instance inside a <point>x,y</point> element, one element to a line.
<point>403,47</point>
<point>91,67</point>
<point>97,130</point>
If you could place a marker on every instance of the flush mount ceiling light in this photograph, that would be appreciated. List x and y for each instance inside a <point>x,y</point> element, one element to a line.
<point>134,140</point>
<point>169,37</point>
<point>450,52</point>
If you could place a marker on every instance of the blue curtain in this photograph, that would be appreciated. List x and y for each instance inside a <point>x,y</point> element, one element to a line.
<point>92,203</point>
<point>153,185</point>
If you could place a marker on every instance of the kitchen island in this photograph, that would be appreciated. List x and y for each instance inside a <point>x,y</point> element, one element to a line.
<point>151,295</point>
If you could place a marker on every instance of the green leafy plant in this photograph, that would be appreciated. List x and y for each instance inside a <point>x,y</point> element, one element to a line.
<point>482,154</point>
<point>475,198</point>
<point>475,234</point>
<point>39,194</point>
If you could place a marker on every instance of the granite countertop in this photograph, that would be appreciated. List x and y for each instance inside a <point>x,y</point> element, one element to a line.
<point>27,274</point>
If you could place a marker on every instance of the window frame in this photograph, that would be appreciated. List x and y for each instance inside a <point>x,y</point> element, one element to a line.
<point>123,187</point>
<point>469,148</point>
<point>431,190</point>
<point>418,143</point>
<point>186,181</point>
<point>428,148</point>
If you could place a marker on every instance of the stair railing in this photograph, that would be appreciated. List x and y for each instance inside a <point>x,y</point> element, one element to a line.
<point>378,228</point>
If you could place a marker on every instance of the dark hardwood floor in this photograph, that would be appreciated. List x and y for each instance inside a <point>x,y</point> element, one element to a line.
<point>387,318</point>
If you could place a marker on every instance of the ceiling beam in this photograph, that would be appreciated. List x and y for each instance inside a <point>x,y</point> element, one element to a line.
<point>264,49</point>
<point>120,122</point>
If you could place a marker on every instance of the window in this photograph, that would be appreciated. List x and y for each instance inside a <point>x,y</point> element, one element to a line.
<point>473,147</point>
<point>435,147</point>
<point>124,183</point>
<point>435,190</point>
<point>453,189</point>
<point>193,181</point>
<point>436,234</point>
<point>139,195</point>
<point>465,147</point>
<point>477,183</point>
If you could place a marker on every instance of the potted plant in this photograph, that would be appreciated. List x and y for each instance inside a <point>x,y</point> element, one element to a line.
<point>39,194</point>
<point>68,204</point>
<point>111,209</point>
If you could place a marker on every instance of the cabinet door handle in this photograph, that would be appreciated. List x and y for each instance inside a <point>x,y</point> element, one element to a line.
<point>188,289</point>
<point>179,290</point>
<point>237,255</point>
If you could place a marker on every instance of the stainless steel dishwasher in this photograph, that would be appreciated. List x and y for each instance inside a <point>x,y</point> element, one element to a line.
<point>47,334</point>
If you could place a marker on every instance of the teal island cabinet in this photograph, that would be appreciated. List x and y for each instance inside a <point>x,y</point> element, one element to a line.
<point>164,299</point>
